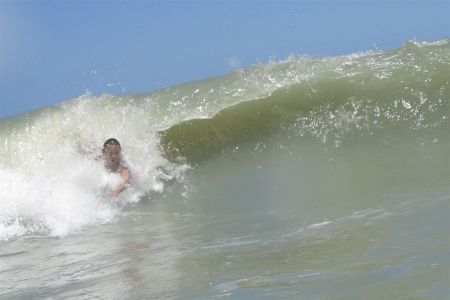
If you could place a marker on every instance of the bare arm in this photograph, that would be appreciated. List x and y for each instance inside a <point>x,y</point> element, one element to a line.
<point>126,176</point>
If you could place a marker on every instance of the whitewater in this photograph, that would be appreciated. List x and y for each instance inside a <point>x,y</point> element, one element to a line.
<point>310,178</point>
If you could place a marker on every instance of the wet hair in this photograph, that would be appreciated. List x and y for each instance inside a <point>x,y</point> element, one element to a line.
<point>111,141</point>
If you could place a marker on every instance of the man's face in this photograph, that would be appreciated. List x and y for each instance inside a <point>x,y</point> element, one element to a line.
<point>113,156</point>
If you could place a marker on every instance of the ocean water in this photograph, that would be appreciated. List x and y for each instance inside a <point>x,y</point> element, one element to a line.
<point>299,179</point>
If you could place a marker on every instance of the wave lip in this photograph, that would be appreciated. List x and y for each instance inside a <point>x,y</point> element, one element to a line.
<point>381,94</point>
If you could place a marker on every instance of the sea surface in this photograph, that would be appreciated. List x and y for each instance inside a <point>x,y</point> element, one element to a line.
<point>308,178</point>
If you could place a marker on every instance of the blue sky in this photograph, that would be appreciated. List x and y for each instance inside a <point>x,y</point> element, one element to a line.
<point>51,51</point>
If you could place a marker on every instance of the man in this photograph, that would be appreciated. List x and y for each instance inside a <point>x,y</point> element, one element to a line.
<point>113,159</point>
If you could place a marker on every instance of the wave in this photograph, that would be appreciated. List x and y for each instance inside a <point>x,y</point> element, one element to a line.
<point>405,90</point>
<point>52,182</point>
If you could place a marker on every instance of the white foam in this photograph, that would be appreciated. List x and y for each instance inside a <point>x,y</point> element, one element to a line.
<point>55,198</point>
<point>432,43</point>
<point>50,179</point>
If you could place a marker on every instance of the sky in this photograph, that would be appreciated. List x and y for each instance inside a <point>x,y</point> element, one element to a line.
<point>51,51</point>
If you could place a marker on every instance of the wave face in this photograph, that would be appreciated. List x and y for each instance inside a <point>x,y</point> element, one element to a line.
<point>53,184</point>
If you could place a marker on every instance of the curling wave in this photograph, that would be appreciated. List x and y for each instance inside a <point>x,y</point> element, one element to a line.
<point>52,182</point>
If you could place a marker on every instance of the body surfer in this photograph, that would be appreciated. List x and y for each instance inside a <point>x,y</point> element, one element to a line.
<point>113,161</point>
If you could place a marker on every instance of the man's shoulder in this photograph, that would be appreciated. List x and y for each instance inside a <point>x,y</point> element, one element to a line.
<point>124,169</point>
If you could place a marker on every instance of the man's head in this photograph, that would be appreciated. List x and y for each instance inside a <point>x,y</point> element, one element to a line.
<point>111,151</point>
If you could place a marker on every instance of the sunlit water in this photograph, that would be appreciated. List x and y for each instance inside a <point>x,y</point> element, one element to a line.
<point>304,179</point>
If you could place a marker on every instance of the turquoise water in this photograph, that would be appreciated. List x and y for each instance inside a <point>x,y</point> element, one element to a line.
<point>301,179</point>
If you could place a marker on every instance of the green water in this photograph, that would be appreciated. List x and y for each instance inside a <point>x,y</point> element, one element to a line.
<point>304,179</point>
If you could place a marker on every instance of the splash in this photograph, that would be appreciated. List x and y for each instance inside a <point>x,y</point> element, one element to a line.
<point>53,183</point>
